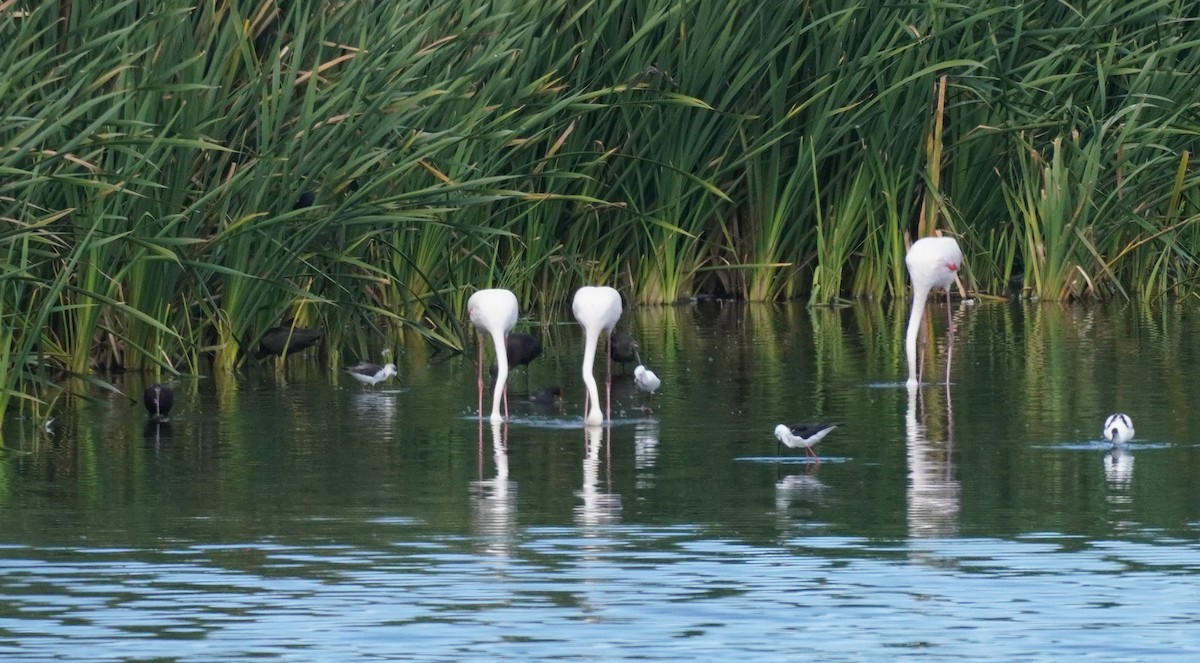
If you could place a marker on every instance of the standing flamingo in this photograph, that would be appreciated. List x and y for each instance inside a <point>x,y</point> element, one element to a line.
<point>597,309</point>
<point>932,263</point>
<point>494,311</point>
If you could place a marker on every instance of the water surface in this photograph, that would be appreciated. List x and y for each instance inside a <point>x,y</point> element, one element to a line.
<point>294,516</point>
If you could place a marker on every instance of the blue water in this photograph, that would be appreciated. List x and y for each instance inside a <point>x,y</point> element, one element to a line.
<point>297,516</point>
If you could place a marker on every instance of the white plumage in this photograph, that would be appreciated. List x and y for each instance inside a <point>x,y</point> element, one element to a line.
<point>597,308</point>
<point>494,311</point>
<point>1118,428</point>
<point>932,263</point>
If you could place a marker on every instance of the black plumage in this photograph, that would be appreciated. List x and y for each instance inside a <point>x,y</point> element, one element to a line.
<point>521,349</point>
<point>623,349</point>
<point>159,399</point>
<point>278,340</point>
<point>547,396</point>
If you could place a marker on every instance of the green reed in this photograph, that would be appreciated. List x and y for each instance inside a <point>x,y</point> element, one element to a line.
<point>180,177</point>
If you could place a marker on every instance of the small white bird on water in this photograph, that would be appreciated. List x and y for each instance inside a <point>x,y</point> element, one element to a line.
<point>1118,428</point>
<point>804,435</point>
<point>645,379</point>
<point>370,373</point>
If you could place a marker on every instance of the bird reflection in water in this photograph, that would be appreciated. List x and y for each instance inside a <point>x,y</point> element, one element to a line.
<point>598,506</point>
<point>1118,472</point>
<point>493,501</point>
<point>645,452</point>
<point>1118,467</point>
<point>797,494</point>
<point>157,434</point>
<point>933,491</point>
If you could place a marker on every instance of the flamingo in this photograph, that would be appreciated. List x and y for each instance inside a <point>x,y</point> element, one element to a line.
<point>597,309</point>
<point>370,373</point>
<point>1118,429</point>
<point>804,435</point>
<point>159,398</point>
<point>932,263</point>
<point>494,311</point>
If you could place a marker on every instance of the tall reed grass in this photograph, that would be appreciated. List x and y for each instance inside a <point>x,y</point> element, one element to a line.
<point>178,177</point>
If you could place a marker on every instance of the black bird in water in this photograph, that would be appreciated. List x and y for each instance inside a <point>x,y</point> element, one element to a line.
<point>159,398</point>
<point>278,340</point>
<point>623,349</point>
<point>521,349</point>
<point>547,396</point>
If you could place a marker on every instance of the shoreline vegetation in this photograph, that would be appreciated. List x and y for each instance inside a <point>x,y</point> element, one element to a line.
<point>179,178</point>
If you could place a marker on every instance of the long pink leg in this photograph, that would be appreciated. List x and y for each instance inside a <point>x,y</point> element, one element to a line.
<point>480,380</point>
<point>950,333</point>
<point>608,377</point>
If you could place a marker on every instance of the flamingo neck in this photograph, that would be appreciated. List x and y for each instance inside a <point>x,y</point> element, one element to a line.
<point>593,416</point>
<point>501,376</point>
<point>920,294</point>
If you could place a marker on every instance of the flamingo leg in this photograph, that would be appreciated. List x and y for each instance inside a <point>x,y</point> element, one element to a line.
<point>608,377</point>
<point>479,380</point>
<point>950,334</point>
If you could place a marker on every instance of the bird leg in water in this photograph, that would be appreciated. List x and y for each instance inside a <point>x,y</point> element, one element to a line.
<point>608,378</point>
<point>949,335</point>
<point>506,398</point>
<point>480,373</point>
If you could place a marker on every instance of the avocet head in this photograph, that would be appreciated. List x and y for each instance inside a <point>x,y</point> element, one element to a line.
<point>1118,428</point>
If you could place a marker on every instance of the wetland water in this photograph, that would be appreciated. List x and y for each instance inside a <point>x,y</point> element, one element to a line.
<point>300,518</point>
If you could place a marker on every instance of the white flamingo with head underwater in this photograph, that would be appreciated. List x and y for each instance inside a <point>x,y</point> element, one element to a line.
<point>1118,429</point>
<point>932,263</point>
<point>597,308</point>
<point>495,312</point>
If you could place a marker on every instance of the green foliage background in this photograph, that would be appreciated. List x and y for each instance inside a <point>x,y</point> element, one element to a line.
<point>176,178</point>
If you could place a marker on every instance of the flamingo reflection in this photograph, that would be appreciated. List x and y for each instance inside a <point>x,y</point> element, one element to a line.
<point>599,506</point>
<point>493,501</point>
<point>933,491</point>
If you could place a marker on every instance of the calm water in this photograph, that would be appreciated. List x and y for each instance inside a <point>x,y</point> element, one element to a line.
<point>299,518</point>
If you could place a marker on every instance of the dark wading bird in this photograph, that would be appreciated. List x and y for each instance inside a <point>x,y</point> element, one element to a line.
<point>623,349</point>
<point>804,435</point>
<point>159,398</point>
<point>522,349</point>
<point>291,340</point>
<point>548,396</point>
